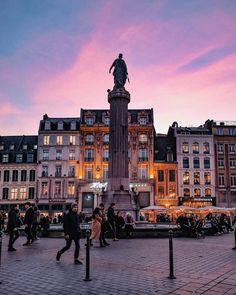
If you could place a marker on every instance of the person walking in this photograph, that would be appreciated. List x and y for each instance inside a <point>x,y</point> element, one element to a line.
<point>104,222</point>
<point>28,221</point>
<point>12,226</point>
<point>111,217</point>
<point>36,222</point>
<point>234,225</point>
<point>72,232</point>
<point>96,226</point>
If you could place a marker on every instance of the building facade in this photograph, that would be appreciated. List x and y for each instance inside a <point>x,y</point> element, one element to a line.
<point>196,165</point>
<point>224,133</point>
<point>18,170</point>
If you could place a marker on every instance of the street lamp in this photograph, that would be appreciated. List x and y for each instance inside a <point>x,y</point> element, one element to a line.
<point>97,188</point>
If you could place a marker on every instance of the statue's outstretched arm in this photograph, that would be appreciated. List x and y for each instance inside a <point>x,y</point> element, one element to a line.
<point>111,67</point>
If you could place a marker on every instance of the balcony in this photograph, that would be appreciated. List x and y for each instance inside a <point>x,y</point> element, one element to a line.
<point>89,159</point>
<point>44,174</point>
<point>57,174</point>
<point>105,159</point>
<point>143,159</point>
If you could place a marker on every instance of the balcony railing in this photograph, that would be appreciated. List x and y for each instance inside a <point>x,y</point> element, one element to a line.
<point>143,159</point>
<point>88,159</point>
<point>105,159</point>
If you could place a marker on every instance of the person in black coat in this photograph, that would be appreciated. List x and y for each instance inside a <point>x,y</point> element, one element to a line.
<point>28,221</point>
<point>12,226</point>
<point>111,217</point>
<point>72,232</point>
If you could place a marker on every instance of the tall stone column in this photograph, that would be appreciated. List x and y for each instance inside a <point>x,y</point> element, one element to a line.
<point>118,177</point>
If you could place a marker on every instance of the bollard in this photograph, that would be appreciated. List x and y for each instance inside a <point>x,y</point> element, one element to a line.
<point>171,275</point>
<point>87,277</point>
<point>0,250</point>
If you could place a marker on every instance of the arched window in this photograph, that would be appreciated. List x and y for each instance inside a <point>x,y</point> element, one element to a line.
<point>206,148</point>
<point>106,138</point>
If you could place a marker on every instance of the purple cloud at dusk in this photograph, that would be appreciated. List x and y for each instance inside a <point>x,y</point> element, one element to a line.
<point>55,57</point>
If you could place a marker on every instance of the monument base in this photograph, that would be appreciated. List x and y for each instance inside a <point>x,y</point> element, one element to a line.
<point>122,199</point>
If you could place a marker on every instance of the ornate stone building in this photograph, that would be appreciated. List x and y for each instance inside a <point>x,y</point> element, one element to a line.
<point>18,170</point>
<point>196,165</point>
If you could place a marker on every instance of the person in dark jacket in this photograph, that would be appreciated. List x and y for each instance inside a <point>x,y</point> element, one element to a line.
<point>104,221</point>
<point>234,225</point>
<point>28,221</point>
<point>111,217</point>
<point>12,226</point>
<point>72,232</point>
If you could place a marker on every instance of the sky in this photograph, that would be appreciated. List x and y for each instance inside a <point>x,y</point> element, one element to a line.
<point>55,57</point>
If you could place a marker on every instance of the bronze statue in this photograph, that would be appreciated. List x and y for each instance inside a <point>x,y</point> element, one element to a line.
<point>120,72</point>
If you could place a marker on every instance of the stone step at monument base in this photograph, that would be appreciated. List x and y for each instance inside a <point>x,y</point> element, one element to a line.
<point>122,199</point>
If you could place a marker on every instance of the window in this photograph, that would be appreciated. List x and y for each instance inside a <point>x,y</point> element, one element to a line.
<point>73,125</point>
<point>46,139</point>
<point>12,146</point>
<point>143,120</point>
<point>89,120</point>
<point>19,158</point>
<point>196,148</point>
<point>106,121</point>
<point>233,179</point>
<point>6,175</point>
<point>185,147</point>
<point>72,139</point>
<point>143,155</point>
<point>105,173</point>
<point>60,126</point>
<point>45,155</point>
<point>58,171</point>
<point>186,192</point>
<point>14,175</point>
<point>105,155</point>
<point>25,146</point>
<point>161,192</point>
<point>171,175</point>
<point>143,138</point>
<point>14,193</point>
<point>207,178</point>
<point>196,177</point>
<point>44,189</point>
<point>220,162</point>
<point>23,175</point>
<point>32,175</point>
<point>1,147</point>
<point>196,162</point>
<point>220,148</point>
<point>35,146</point>
<point>221,180</point>
<point>30,158</point>
<point>23,193</point>
<point>232,163</point>
<point>45,171</point>
<point>57,189</point>
<point>89,173</point>
<point>186,178</point>
<point>5,193</point>
<point>206,148</point>
<point>89,139</point>
<point>89,155</point>
<point>31,193</point>
<point>47,125</point>
<point>71,172</point>
<point>71,154</point>
<point>232,132</point>
<point>207,192</point>
<point>58,154</point>
<point>207,163</point>
<point>185,162</point>
<point>219,131</point>
<point>172,191</point>
<point>231,148</point>
<point>71,189</point>
<point>142,172</point>
<point>197,192</point>
<point>106,138</point>
<point>160,175</point>
<point>5,158</point>
<point>59,140</point>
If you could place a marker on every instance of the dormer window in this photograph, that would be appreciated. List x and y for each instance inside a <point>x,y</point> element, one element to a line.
<point>60,126</point>
<point>143,121</point>
<point>19,158</point>
<point>73,125</point>
<point>89,121</point>
<point>25,147</point>
<point>12,147</point>
<point>1,147</point>
<point>47,125</point>
<point>5,158</point>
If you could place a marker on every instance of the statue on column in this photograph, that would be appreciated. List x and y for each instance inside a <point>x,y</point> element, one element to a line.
<point>120,72</point>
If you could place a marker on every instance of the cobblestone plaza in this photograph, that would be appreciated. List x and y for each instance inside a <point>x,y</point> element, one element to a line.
<point>129,266</point>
